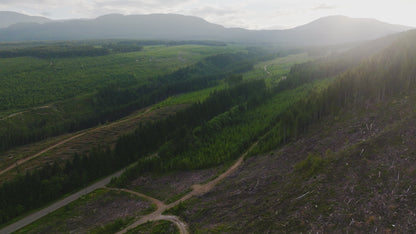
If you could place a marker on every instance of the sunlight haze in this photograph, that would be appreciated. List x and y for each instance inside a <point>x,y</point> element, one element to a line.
<point>251,14</point>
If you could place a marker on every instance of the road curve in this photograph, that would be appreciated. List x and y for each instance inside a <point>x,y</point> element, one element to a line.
<point>159,204</point>
<point>156,215</point>
<point>35,216</point>
<point>197,190</point>
<point>183,228</point>
<point>265,69</point>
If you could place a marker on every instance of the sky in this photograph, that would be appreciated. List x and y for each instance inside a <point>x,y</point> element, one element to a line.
<point>250,14</point>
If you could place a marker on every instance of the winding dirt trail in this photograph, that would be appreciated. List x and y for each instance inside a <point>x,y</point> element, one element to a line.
<point>156,215</point>
<point>265,69</point>
<point>83,132</point>
<point>21,161</point>
<point>22,112</point>
<point>197,190</point>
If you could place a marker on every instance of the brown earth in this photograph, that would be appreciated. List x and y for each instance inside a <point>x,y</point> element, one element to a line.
<point>362,180</point>
<point>197,190</point>
<point>168,186</point>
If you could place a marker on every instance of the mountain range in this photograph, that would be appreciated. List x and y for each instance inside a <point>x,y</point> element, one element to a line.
<point>324,31</point>
<point>8,18</point>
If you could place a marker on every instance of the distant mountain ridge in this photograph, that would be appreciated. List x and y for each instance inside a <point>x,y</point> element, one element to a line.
<point>324,31</point>
<point>344,29</point>
<point>8,18</point>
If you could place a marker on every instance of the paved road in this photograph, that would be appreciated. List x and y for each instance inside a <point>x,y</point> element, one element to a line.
<point>35,216</point>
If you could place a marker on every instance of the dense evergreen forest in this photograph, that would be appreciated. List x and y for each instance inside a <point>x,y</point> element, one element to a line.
<point>384,75</point>
<point>51,182</point>
<point>49,52</point>
<point>114,101</point>
<point>218,129</point>
<point>27,82</point>
<point>87,48</point>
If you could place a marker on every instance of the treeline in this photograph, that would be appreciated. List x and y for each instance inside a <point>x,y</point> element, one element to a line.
<point>204,74</point>
<point>379,78</point>
<point>48,52</point>
<point>123,46</point>
<point>53,181</point>
<point>165,42</point>
<point>334,64</point>
<point>90,49</point>
<point>175,139</point>
<point>221,139</point>
<point>113,102</point>
<point>71,50</point>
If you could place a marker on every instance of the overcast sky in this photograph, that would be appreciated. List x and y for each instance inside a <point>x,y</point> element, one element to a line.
<point>252,14</point>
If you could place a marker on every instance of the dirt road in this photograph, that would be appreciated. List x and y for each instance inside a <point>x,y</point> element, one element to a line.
<point>265,69</point>
<point>22,112</point>
<point>156,215</point>
<point>100,184</point>
<point>21,161</point>
<point>197,190</point>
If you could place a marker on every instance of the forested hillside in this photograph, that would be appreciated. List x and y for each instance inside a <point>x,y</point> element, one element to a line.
<point>382,76</point>
<point>114,101</point>
<point>317,125</point>
<point>102,91</point>
<point>340,159</point>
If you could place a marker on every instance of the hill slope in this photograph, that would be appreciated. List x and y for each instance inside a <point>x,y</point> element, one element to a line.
<point>329,30</point>
<point>352,171</point>
<point>8,18</point>
<point>340,29</point>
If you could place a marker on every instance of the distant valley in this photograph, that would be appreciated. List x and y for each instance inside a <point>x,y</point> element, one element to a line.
<point>167,123</point>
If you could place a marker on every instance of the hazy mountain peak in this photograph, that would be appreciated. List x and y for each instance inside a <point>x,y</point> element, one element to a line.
<point>8,18</point>
<point>324,31</point>
<point>342,29</point>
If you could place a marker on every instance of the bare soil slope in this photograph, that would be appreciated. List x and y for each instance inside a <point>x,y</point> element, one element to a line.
<point>354,172</point>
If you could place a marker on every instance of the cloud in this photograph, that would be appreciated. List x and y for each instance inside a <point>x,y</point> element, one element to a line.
<point>153,4</point>
<point>324,6</point>
<point>253,14</point>
<point>29,2</point>
<point>207,11</point>
<point>46,13</point>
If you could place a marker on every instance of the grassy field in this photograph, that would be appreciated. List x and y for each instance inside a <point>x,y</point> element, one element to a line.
<point>273,70</point>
